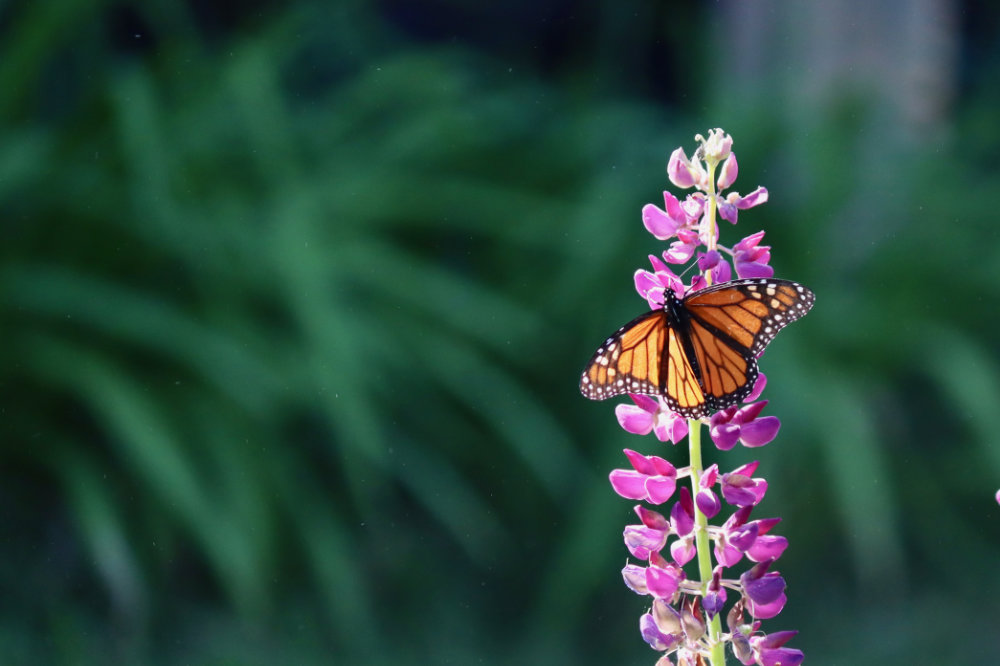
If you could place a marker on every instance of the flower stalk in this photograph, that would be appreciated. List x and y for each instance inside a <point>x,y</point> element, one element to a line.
<point>702,543</point>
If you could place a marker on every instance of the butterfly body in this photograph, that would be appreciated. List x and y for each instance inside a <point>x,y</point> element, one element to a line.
<point>700,352</point>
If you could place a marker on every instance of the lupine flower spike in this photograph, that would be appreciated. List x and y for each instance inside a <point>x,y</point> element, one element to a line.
<point>692,360</point>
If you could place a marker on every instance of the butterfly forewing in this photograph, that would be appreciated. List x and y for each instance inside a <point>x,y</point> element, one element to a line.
<point>750,312</point>
<point>629,361</point>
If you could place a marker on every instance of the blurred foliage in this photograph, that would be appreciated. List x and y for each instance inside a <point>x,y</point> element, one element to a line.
<point>295,302</point>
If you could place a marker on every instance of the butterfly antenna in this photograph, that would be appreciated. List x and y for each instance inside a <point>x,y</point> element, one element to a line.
<point>693,264</point>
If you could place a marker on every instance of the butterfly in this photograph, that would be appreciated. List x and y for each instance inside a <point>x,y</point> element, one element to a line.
<point>700,352</point>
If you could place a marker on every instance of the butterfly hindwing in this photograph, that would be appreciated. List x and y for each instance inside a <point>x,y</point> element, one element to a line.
<point>727,371</point>
<point>683,392</point>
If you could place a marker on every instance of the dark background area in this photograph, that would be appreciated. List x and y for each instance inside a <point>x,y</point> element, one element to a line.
<point>294,299</point>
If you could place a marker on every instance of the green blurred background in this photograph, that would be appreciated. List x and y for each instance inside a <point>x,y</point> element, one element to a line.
<point>295,297</point>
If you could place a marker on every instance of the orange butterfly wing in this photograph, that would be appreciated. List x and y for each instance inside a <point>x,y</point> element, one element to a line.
<point>712,339</point>
<point>727,375</point>
<point>749,313</point>
<point>630,361</point>
<point>683,391</point>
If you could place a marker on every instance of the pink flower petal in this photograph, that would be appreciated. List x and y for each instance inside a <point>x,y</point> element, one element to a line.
<point>758,387</point>
<point>722,273</point>
<point>728,173</point>
<point>679,252</point>
<point>640,463</point>
<point>628,484</point>
<point>755,198</point>
<point>767,547</point>
<point>708,503</point>
<point>657,222</point>
<point>753,269</point>
<point>662,583</point>
<point>694,205</point>
<point>749,242</point>
<point>765,611</point>
<point>678,169</point>
<point>635,578</point>
<point>782,657</point>
<point>747,469</point>
<point>660,488</point>
<point>645,402</point>
<point>643,541</point>
<point>649,287</point>
<point>725,435</point>
<point>727,555</point>
<point>728,211</point>
<point>708,260</point>
<point>683,551</point>
<point>682,513</point>
<point>634,419</point>
<point>748,412</point>
<point>760,431</point>
<point>674,209</point>
<point>657,640</point>
<point>652,519</point>
<point>663,467</point>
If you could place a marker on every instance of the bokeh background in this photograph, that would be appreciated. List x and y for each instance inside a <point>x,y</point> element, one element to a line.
<point>294,298</point>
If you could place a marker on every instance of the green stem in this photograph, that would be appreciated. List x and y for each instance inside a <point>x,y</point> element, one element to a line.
<point>717,656</point>
<point>712,204</point>
<point>703,543</point>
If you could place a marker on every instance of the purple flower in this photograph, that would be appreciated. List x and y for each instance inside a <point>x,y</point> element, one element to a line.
<point>728,172</point>
<point>707,260</point>
<point>650,537</point>
<point>635,578</point>
<point>739,489</point>
<point>682,249</point>
<point>706,500</point>
<point>712,261</point>
<point>662,581</point>
<point>751,259</point>
<point>770,650</point>
<point>767,546</point>
<point>651,285</point>
<point>682,513</point>
<point>742,648</point>
<point>651,415</point>
<point>741,424</point>
<point>652,519</point>
<point>735,537</point>
<point>758,388</point>
<point>738,537</point>
<point>683,549</point>
<point>642,541</point>
<point>682,172</point>
<point>664,223</point>
<point>733,203</point>
<point>717,146</point>
<point>764,590</point>
<point>715,597</point>
<point>657,640</point>
<point>653,479</point>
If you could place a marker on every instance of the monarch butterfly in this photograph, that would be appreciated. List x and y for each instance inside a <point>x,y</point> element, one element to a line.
<point>699,352</point>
